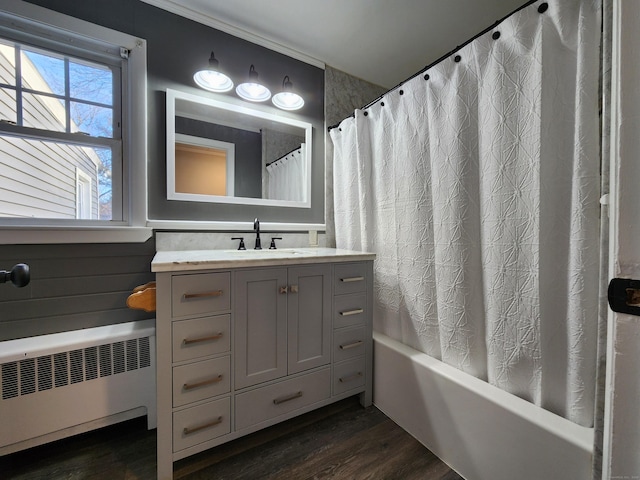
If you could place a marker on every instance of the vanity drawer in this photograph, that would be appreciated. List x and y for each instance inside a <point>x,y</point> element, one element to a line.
<point>349,278</point>
<point>348,375</point>
<point>199,424</point>
<point>348,343</point>
<point>197,381</point>
<point>200,293</point>
<point>274,400</point>
<point>200,337</point>
<point>349,310</point>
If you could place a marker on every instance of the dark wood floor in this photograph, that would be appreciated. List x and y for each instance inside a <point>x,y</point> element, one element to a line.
<point>340,441</point>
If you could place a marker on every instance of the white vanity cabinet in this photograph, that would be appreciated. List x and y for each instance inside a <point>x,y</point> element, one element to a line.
<point>244,342</point>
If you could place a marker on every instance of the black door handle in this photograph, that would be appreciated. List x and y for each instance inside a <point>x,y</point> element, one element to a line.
<point>19,275</point>
<point>624,295</point>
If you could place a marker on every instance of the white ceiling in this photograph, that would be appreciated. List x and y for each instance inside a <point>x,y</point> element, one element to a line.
<point>381,41</point>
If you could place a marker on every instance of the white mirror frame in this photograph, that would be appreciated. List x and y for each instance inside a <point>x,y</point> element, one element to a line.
<point>173,95</point>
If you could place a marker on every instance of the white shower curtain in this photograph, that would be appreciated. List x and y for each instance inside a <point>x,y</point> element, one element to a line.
<point>477,185</point>
<point>287,177</point>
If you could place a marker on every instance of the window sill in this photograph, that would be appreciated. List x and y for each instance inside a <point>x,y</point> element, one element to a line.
<point>23,235</point>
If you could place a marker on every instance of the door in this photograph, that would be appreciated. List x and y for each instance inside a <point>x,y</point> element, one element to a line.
<point>260,326</point>
<point>309,317</point>
<point>622,396</point>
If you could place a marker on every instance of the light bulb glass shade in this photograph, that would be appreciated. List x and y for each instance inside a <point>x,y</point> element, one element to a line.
<point>288,101</point>
<point>213,80</point>
<point>254,92</point>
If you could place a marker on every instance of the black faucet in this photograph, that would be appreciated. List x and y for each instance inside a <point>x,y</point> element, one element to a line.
<point>256,227</point>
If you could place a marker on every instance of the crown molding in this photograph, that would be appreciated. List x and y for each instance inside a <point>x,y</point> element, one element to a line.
<point>208,20</point>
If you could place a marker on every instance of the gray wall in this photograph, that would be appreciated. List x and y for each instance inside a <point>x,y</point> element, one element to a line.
<point>81,286</point>
<point>72,286</point>
<point>343,94</point>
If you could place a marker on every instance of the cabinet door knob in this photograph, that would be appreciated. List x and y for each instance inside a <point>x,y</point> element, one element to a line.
<point>293,289</point>
<point>283,290</point>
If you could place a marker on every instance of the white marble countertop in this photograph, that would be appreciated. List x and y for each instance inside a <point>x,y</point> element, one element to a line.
<point>185,260</point>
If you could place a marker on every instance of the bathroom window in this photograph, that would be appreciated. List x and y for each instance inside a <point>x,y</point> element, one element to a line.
<point>72,126</point>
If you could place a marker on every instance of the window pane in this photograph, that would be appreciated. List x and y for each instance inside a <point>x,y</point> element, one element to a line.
<point>7,64</point>
<point>8,105</point>
<point>44,73</point>
<point>96,121</point>
<point>39,179</point>
<point>41,111</point>
<point>105,183</point>
<point>91,82</point>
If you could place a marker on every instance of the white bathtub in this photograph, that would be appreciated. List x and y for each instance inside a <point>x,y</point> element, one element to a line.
<point>479,430</point>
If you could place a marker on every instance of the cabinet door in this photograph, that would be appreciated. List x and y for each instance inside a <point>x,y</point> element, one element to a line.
<point>309,317</point>
<point>260,326</point>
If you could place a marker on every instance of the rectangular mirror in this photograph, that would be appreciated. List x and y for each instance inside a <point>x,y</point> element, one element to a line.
<point>228,153</point>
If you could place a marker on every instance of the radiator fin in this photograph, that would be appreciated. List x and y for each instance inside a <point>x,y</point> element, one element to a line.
<point>118,357</point>
<point>61,369</point>
<point>45,374</point>
<point>9,380</point>
<point>91,363</point>
<point>132,354</point>
<point>145,352</point>
<point>77,370</point>
<point>105,360</point>
<point>30,375</point>
<point>27,376</point>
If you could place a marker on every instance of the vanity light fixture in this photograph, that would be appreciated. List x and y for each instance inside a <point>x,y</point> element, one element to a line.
<point>287,99</point>
<point>212,79</point>
<point>252,90</point>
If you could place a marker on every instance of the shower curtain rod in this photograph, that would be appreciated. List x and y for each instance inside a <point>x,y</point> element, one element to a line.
<point>542,8</point>
<point>282,156</point>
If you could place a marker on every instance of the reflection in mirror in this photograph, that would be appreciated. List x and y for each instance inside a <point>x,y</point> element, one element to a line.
<point>204,166</point>
<point>280,181</point>
<point>228,153</point>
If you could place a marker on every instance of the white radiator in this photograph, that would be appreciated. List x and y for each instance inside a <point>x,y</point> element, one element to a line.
<point>54,386</point>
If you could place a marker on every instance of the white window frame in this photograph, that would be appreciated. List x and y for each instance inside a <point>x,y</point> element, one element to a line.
<point>84,186</point>
<point>133,227</point>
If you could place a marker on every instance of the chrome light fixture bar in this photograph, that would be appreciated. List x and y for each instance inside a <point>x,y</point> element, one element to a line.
<point>287,99</point>
<point>252,90</point>
<point>212,79</point>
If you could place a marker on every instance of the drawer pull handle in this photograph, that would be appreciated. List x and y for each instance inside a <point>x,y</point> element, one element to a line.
<point>349,378</point>
<point>283,290</point>
<point>352,312</point>
<point>189,341</point>
<point>212,423</point>
<point>210,381</point>
<point>214,293</point>
<point>293,396</point>
<point>293,288</point>
<point>351,345</point>
<point>352,279</point>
